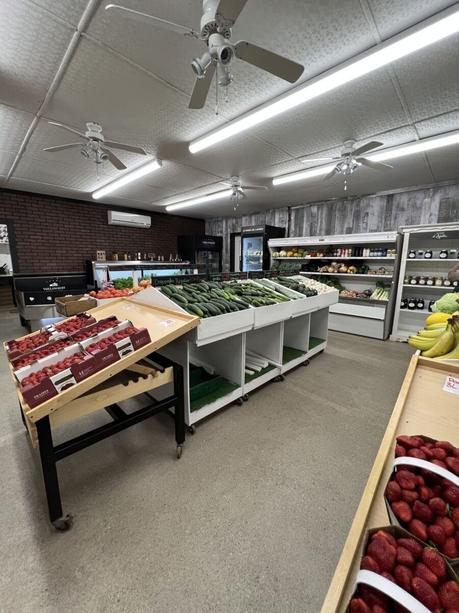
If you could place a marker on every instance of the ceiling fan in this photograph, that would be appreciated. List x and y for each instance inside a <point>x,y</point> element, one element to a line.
<point>95,148</point>
<point>238,189</point>
<point>217,20</point>
<point>351,159</point>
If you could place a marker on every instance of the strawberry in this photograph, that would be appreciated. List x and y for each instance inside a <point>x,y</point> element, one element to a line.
<point>403,577</point>
<point>419,529</point>
<point>359,606</point>
<point>429,452</point>
<point>409,496</point>
<point>384,553</point>
<point>405,557</point>
<point>433,560</point>
<point>402,510</point>
<point>422,512</point>
<point>405,479</point>
<point>437,535</point>
<point>446,446</point>
<point>393,491</point>
<point>423,571</point>
<point>439,463</point>
<point>378,609</point>
<point>411,545</point>
<point>420,480</point>
<point>453,465</point>
<point>425,493</point>
<point>385,535</point>
<point>449,548</point>
<point>425,593</point>
<point>438,506</point>
<point>417,453</point>
<point>438,453</point>
<point>446,524</point>
<point>400,451</point>
<point>373,597</point>
<point>368,563</point>
<point>449,595</point>
<point>455,517</point>
<point>387,576</point>
<point>409,441</point>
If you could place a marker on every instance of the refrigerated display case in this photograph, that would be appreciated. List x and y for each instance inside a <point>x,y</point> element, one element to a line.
<point>101,272</point>
<point>204,251</point>
<point>255,255</point>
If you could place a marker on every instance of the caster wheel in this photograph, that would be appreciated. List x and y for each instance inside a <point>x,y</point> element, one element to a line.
<point>63,523</point>
<point>281,378</point>
<point>239,401</point>
<point>245,397</point>
<point>192,429</point>
<point>179,452</point>
<point>306,363</point>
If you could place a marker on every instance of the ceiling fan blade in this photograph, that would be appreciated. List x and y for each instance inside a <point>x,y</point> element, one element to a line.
<point>330,174</point>
<point>254,187</point>
<point>151,20</point>
<point>229,10</point>
<point>117,163</point>
<point>241,194</point>
<point>131,148</point>
<point>201,89</point>
<point>267,60</point>
<point>367,147</point>
<point>62,147</point>
<point>68,128</point>
<point>373,165</point>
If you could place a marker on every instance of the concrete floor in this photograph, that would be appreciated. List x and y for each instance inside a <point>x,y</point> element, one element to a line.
<point>252,518</point>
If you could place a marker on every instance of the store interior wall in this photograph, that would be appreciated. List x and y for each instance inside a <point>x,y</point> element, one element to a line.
<point>58,235</point>
<point>378,213</point>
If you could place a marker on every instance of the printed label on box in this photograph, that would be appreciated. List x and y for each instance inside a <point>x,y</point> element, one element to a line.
<point>451,385</point>
<point>63,380</point>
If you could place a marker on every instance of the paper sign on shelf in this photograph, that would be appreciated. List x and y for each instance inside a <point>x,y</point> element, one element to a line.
<point>451,385</point>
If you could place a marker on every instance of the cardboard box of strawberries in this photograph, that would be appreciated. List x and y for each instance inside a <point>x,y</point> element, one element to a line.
<point>43,351</point>
<point>399,573</point>
<point>94,329</point>
<point>423,492</point>
<point>114,343</point>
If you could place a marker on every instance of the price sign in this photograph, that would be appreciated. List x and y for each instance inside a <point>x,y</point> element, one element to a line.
<point>451,385</point>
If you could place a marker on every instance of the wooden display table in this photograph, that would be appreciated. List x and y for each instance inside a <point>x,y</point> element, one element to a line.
<point>139,372</point>
<point>422,407</point>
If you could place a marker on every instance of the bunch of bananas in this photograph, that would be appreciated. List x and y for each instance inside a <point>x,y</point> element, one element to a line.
<point>440,337</point>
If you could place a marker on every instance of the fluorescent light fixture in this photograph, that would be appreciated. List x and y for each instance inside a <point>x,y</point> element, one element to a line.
<point>129,177</point>
<point>426,144</point>
<point>201,200</point>
<point>381,55</point>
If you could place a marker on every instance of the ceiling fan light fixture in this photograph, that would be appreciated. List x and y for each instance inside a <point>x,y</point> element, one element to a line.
<point>127,178</point>
<point>385,53</point>
<point>226,193</point>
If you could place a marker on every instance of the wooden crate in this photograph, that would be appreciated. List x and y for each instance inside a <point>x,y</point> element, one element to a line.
<point>73,305</point>
<point>422,407</point>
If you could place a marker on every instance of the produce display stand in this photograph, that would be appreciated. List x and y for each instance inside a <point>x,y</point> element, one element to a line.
<point>435,237</point>
<point>139,372</point>
<point>365,317</point>
<point>423,407</point>
<point>285,335</point>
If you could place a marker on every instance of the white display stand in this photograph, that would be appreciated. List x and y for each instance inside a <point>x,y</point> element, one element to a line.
<point>421,238</point>
<point>282,338</point>
<point>365,317</point>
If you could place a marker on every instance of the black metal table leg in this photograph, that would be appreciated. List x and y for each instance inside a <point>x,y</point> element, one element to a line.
<point>179,408</point>
<point>48,465</point>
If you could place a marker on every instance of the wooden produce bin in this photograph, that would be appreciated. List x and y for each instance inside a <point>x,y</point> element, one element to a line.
<point>132,374</point>
<point>72,305</point>
<point>423,407</point>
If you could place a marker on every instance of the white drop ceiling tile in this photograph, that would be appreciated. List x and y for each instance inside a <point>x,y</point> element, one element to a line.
<point>38,187</point>
<point>444,163</point>
<point>438,125</point>
<point>393,16</point>
<point>13,127</point>
<point>6,159</point>
<point>31,50</point>
<point>69,10</point>
<point>429,79</point>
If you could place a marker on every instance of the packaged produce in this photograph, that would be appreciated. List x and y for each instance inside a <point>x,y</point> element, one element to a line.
<point>73,324</point>
<point>95,328</point>
<point>424,502</point>
<point>28,343</point>
<point>27,358</point>
<point>116,342</point>
<point>398,571</point>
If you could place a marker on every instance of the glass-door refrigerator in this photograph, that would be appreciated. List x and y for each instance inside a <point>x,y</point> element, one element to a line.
<point>205,251</point>
<point>254,246</point>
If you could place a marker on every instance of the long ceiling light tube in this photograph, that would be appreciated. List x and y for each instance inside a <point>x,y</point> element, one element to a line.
<point>226,193</point>
<point>127,178</point>
<point>427,144</point>
<point>395,48</point>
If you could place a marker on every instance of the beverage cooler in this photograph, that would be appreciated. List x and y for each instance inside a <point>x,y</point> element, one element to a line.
<point>101,272</point>
<point>204,251</point>
<point>255,254</point>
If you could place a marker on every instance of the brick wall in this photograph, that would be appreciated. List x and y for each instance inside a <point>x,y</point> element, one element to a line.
<point>58,235</point>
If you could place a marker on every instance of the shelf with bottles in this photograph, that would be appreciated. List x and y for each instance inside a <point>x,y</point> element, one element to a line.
<point>339,253</point>
<point>433,255</point>
<point>431,282</point>
<point>416,304</point>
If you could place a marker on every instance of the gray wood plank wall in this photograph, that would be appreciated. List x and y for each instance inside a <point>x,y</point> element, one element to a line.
<point>349,215</point>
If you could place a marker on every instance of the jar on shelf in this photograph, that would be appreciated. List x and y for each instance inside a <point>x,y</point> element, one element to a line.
<point>446,282</point>
<point>438,281</point>
<point>427,254</point>
<point>412,254</point>
<point>404,303</point>
<point>431,303</point>
<point>413,280</point>
<point>420,253</point>
<point>422,281</point>
<point>412,304</point>
<point>430,281</point>
<point>420,304</point>
<point>406,280</point>
<point>455,284</point>
<point>452,254</point>
<point>443,255</point>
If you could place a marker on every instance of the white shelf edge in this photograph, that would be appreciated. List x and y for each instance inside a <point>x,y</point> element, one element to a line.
<point>358,257</point>
<point>346,274</point>
<point>432,260</point>
<point>430,287</point>
<point>418,312</point>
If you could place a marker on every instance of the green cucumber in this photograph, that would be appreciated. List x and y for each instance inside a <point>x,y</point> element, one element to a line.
<point>195,310</point>
<point>179,298</point>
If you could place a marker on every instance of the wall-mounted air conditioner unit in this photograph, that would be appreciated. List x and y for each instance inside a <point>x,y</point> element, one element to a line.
<point>117,218</point>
